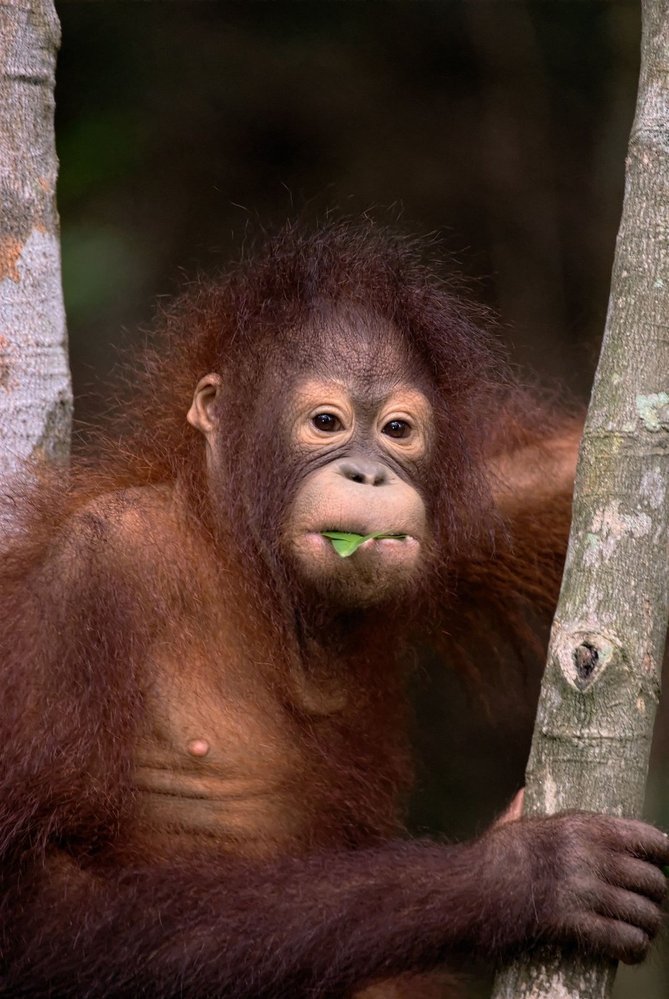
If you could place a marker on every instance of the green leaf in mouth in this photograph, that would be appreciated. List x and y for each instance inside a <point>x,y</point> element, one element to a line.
<point>345,543</point>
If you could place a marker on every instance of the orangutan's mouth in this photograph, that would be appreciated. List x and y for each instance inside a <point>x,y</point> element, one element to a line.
<point>346,543</point>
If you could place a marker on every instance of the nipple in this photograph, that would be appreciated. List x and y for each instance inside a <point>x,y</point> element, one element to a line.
<point>198,747</point>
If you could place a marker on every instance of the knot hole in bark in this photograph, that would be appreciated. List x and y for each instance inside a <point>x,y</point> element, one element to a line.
<point>583,654</point>
<point>586,658</point>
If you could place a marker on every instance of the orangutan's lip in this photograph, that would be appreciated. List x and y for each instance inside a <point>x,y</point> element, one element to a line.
<point>387,541</point>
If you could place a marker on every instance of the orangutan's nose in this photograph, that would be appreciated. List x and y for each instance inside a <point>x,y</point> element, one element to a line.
<point>363,471</point>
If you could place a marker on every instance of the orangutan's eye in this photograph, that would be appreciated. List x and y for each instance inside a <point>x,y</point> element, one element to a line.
<point>327,422</point>
<point>397,429</point>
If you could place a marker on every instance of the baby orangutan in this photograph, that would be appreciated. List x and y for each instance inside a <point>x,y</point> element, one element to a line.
<point>203,644</point>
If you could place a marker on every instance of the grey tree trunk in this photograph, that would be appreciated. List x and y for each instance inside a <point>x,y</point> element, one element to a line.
<point>35,389</point>
<point>595,718</point>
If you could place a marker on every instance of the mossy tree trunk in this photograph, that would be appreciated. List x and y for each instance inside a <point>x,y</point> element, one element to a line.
<point>595,719</point>
<point>35,391</point>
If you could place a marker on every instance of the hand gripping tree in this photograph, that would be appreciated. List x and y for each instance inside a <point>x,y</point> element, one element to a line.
<point>600,690</point>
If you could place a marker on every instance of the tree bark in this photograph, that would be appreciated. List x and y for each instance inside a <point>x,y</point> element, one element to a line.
<point>594,724</point>
<point>35,389</point>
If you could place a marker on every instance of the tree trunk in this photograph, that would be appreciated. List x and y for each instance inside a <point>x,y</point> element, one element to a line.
<point>595,718</point>
<point>35,390</point>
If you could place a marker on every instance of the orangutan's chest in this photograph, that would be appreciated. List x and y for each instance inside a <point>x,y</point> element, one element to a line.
<point>218,759</point>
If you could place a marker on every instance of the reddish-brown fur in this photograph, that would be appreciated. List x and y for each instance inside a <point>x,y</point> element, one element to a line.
<point>130,556</point>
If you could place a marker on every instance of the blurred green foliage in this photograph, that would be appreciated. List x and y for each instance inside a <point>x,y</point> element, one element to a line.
<point>500,127</point>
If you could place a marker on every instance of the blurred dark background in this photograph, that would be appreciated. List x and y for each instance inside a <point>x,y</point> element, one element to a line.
<point>501,127</point>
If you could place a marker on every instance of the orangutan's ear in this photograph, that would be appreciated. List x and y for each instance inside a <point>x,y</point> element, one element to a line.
<point>202,413</point>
